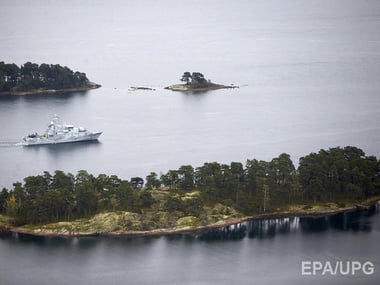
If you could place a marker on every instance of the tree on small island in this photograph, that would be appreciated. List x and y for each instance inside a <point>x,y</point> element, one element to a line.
<point>196,82</point>
<point>198,78</point>
<point>194,79</point>
<point>186,77</point>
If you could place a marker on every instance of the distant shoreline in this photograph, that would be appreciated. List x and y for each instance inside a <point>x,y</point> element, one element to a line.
<point>364,205</point>
<point>90,86</point>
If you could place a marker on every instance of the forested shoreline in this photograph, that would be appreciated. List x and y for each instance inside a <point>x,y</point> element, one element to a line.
<point>32,78</point>
<point>340,175</point>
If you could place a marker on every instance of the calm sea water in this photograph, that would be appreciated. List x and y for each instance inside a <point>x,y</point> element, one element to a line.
<point>260,252</point>
<point>309,73</point>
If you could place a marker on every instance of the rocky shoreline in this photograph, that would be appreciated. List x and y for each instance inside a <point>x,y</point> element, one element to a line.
<point>312,213</point>
<point>90,86</point>
<point>202,88</point>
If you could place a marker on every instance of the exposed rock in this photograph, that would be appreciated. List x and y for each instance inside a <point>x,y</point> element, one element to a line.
<point>199,88</point>
<point>135,88</point>
<point>188,221</point>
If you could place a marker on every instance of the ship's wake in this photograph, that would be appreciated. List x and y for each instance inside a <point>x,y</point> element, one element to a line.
<point>9,142</point>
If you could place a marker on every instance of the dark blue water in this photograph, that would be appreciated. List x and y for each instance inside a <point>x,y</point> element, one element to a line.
<point>256,252</point>
<point>309,72</point>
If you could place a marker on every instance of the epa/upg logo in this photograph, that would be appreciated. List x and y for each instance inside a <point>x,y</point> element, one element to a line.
<point>314,268</point>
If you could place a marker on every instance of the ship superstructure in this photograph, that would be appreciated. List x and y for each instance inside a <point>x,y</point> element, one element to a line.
<point>58,132</point>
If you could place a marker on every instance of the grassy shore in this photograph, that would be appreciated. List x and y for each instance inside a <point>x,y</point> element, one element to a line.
<point>161,222</point>
<point>5,225</point>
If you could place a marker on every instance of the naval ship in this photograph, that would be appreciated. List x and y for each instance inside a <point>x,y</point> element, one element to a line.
<point>58,132</point>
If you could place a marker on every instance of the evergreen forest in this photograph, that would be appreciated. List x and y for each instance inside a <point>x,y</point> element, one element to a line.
<point>337,175</point>
<point>31,76</point>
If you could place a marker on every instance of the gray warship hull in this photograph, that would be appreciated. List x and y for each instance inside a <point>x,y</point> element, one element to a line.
<point>58,133</point>
<point>44,141</point>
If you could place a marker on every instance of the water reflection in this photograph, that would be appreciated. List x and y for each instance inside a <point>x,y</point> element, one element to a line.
<point>85,243</point>
<point>233,232</point>
<point>269,228</point>
<point>52,102</point>
<point>347,221</point>
<point>43,97</point>
<point>41,241</point>
<point>65,148</point>
<point>255,229</point>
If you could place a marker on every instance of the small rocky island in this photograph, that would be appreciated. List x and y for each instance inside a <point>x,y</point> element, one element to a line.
<point>196,82</point>
<point>31,78</point>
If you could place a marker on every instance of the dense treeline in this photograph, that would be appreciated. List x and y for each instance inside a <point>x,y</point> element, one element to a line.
<point>62,196</point>
<point>32,76</point>
<point>338,174</point>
